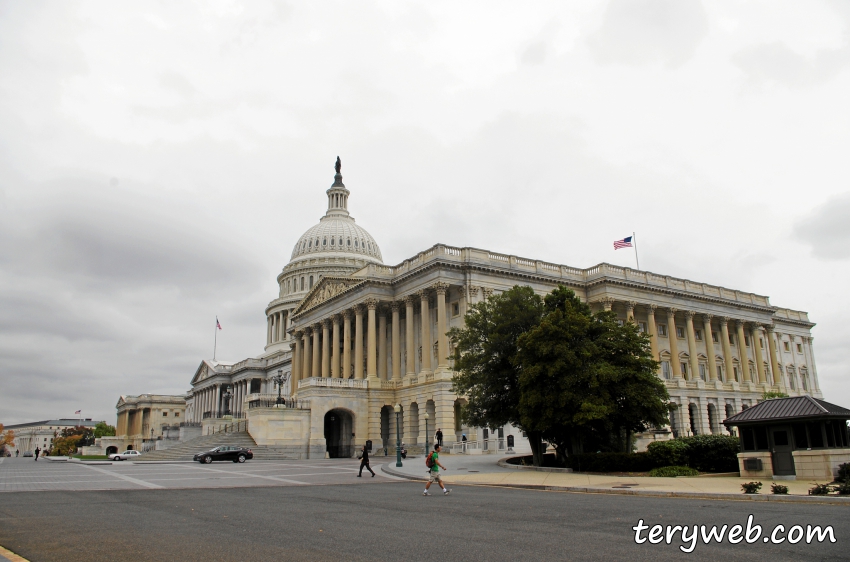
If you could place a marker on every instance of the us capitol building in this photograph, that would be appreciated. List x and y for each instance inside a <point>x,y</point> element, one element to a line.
<point>354,340</point>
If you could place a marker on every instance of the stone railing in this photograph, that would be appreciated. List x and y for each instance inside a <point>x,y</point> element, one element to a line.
<point>332,383</point>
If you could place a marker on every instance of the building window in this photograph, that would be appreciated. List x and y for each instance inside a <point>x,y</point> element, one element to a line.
<point>787,345</point>
<point>662,330</point>
<point>176,414</point>
<point>680,332</point>
<point>324,242</point>
<point>799,348</point>
<point>731,339</point>
<point>684,367</point>
<point>333,241</point>
<point>719,373</point>
<point>349,242</point>
<point>455,309</point>
<point>355,243</point>
<point>311,281</point>
<point>702,371</point>
<point>752,373</point>
<point>302,283</point>
<point>642,327</point>
<point>747,340</point>
<point>804,378</point>
<point>665,369</point>
<point>714,337</point>
<point>165,414</point>
<point>698,335</point>
<point>735,372</point>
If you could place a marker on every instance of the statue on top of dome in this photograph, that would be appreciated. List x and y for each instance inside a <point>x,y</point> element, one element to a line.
<point>338,165</point>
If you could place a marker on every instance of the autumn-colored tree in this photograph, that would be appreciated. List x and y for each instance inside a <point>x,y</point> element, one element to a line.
<point>7,438</point>
<point>63,446</point>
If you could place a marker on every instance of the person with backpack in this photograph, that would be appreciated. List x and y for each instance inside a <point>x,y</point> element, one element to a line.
<point>364,461</point>
<point>434,466</point>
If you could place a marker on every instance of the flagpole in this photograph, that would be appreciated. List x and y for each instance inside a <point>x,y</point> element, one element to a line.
<point>637,261</point>
<point>215,337</point>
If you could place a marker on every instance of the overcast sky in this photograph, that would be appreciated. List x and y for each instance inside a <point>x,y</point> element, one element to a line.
<point>158,161</point>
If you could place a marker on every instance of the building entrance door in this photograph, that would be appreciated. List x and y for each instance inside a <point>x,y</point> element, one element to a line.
<point>783,460</point>
<point>339,426</point>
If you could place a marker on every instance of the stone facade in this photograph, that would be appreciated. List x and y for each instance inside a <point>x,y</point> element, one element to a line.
<point>361,337</point>
<point>145,418</point>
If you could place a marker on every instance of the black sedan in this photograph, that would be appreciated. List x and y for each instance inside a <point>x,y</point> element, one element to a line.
<point>227,453</point>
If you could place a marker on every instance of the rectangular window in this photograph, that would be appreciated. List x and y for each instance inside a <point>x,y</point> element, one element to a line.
<point>684,367</point>
<point>805,379</point>
<point>815,435</point>
<point>735,369</point>
<point>801,441</point>
<point>731,339</point>
<point>719,373</point>
<point>642,327</point>
<point>455,309</point>
<point>698,335</point>
<point>165,414</point>
<point>662,330</point>
<point>787,345</point>
<point>176,414</point>
<point>747,340</point>
<point>702,371</point>
<point>680,332</point>
<point>714,337</point>
<point>665,369</point>
<point>799,348</point>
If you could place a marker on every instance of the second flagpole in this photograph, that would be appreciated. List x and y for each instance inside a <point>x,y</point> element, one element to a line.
<point>634,240</point>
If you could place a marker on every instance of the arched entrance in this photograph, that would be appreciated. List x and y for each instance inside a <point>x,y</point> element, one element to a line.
<point>112,449</point>
<point>339,426</point>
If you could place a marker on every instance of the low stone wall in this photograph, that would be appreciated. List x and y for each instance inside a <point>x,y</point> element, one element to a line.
<point>820,464</point>
<point>766,465</point>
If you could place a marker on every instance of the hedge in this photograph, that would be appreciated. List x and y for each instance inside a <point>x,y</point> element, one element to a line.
<point>673,471</point>
<point>611,462</point>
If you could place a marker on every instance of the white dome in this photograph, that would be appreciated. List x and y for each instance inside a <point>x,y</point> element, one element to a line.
<point>335,236</point>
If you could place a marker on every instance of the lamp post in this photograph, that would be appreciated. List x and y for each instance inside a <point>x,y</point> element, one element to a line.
<point>280,380</point>
<point>397,409</point>
<point>427,439</point>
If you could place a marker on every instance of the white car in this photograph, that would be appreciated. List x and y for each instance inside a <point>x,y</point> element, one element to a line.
<point>125,456</point>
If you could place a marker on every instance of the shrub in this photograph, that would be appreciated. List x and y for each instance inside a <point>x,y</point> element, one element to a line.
<point>751,487</point>
<point>778,489</point>
<point>820,490</point>
<point>843,489</point>
<point>668,453</point>
<point>611,462</point>
<point>843,472</point>
<point>713,453</point>
<point>673,471</point>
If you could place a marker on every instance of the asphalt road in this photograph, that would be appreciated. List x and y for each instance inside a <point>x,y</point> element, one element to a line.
<point>384,521</point>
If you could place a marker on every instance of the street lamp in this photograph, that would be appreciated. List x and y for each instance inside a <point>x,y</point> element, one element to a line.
<point>397,409</point>
<point>280,380</point>
<point>427,439</point>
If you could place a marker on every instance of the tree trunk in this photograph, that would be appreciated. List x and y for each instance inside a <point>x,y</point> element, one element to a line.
<point>534,441</point>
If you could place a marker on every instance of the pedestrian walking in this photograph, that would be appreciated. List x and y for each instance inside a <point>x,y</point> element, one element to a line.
<point>434,466</point>
<point>37,451</point>
<point>439,437</point>
<point>364,461</point>
<point>463,440</point>
<point>17,452</point>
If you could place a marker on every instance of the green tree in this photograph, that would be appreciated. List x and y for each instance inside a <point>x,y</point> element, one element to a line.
<point>485,358</point>
<point>102,429</point>
<point>584,377</point>
<point>7,438</point>
<point>771,394</point>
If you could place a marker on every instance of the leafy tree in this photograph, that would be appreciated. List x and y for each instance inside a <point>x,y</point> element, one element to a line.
<point>485,359</point>
<point>771,394</point>
<point>66,444</point>
<point>7,438</point>
<point>102,429</point>
<point>584,377</point>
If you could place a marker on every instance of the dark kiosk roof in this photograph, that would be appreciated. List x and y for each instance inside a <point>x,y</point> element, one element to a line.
<point>798,407</point>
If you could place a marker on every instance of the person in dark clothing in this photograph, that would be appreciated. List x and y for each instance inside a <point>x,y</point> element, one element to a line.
<point>364,461</point>
<point>37,451</point>
<point>439,437</point>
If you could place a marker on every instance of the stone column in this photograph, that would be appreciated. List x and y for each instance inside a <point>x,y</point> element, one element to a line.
<point>758,357</point>
<point>216,409</point>
<point>692,344</point>
<point>306,371</point>
<point>809,341</point>
<point>326,348</point>
<point>652,332</point>
<point>743,360</point>
<point>442,340</point>
<point>674,345</point>
<point>371,339</point>
<point>335,372</point>
<point>709,347</point>
<point>396,341</point>
<point>630,311</point>
<point>358,342</point>
<point>296,361</point>
<point>315,362</point>
<point>268,330</point>
<point>425,337</point>
<point>382,343</point>
<point>346,344</point>
<point>408,335</point>
<point>775,368</point>
<point>727,349</point>
<point>280,332</point>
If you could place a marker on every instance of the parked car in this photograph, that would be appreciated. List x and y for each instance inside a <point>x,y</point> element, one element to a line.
<point>27,454</point>
<point>225,453</point>
<point>125,456</point>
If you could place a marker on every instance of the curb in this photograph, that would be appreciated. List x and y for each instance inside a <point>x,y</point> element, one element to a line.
<point>645,493</point>
<point>504,464</point>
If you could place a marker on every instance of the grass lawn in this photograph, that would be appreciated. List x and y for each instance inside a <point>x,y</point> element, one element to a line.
<point>91,457</point>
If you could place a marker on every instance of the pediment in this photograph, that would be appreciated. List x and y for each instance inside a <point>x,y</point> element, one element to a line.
<point>202,372</point>
<point>325,290</point>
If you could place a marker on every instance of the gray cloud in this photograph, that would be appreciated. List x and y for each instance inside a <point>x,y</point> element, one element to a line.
<point>827,229</point>
<point>645,31</point>
<point>775,62</point>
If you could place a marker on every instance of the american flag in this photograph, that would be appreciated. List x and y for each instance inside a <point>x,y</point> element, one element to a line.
<point>217,324</point>
<point>78,412</point>
<point>624,243</point>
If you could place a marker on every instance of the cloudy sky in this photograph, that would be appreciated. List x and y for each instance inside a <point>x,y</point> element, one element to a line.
<point>158,161</point>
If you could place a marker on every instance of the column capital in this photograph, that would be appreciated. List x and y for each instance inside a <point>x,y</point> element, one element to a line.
<point>317,327</point>
<point>707,317</point>
<point>410,299</point>
<point>473,290</point>
<point>347,314</point>
<point>740,323</point>
<point>771,328</point>
<point>650,308</point>
<point>630,305</point>
<point>488,292</point>
<point>326,323</point>
<point>308,331</point>
<point>371,304</point>
<point>671,311</point>
<point>335,319</point>
<point>298,333</point>
<point>292,345</point>
<point>606,302</point>
<point>423,294</point>
<point>395,304</point>
<point>440,287</point>
<point>689,314</point>
<point>358,308</point>
<point>755,326</point>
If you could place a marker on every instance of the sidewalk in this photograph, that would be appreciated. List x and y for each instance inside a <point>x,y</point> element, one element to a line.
<point>483,470</point>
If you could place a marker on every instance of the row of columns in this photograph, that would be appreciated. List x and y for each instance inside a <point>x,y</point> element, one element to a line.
<point>316,349</point>
<point>277,325</point>
<point>755,332</point>
<point>206,400</point>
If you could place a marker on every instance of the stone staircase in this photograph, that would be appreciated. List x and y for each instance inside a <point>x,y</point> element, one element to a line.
<point>186,450</point>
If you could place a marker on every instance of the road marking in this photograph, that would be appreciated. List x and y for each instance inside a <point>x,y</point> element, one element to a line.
<point>249,475</point>
<point>11,556</point>
<point>123,477</point>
